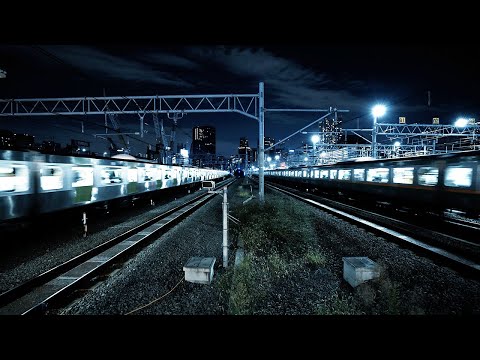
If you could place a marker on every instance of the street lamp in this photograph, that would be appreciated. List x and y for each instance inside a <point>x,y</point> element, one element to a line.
<point>277,157</point>
<point>377,111</point>
<point>461,122</point>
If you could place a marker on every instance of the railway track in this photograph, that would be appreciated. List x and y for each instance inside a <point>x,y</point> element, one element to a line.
<point>49,288</point>
<point>460,254</point>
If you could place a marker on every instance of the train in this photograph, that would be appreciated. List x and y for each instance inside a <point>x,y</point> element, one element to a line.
<point>33,183</point>
<point>239,173</point>
<point>427,183</point>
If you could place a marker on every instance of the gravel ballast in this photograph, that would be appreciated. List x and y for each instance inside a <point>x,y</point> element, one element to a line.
<point>409,284</point>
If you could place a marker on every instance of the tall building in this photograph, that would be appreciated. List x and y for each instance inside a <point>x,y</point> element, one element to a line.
<point>244,152</point>
<point>203,140</point>
<point>267,142</point>
<point>203,149</point>
<point>330,131</point>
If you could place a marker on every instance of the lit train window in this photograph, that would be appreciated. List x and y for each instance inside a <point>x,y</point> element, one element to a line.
<point>304,173</point>
<point>111,175</point>
<point>132,175</point>
<point>333,174</point>
<point>150,174</point>
<point>428,176</point>
<point>51,178</point>
<point>458,176</point>
<point>13,178</point>
<point>403,175</point>
<point>378,175</point>
<point>82,176</point>
<point>344,174</point>
<point>323,174</point>
<point>359,175</point>
<point>317,174</point>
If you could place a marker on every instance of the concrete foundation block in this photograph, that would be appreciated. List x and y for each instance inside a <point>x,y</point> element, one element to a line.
<point>357,270</point>
<point>199,270</point>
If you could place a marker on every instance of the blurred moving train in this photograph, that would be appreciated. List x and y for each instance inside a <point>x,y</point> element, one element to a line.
<point>424,183</point>
<point>32,183</point>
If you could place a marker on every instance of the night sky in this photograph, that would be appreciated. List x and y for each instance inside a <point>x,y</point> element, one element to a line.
<point>304,75</point>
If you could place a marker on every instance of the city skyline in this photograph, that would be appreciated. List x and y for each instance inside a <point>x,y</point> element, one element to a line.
<point>432,81</point>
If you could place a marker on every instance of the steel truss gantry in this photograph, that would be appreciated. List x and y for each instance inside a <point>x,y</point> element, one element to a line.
<point>398,131</point>
<point>249,105</point>
<point>245,104</point>
<point>434,130</point>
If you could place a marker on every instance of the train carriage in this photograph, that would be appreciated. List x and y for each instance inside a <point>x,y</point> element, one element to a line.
<point>32,183</point>
<point>433,183</point>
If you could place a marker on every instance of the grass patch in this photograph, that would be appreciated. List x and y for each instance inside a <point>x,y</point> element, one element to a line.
<point>315,259</point>
<point>279,226</point>
<point>281,245</point>
<point>338,305</point>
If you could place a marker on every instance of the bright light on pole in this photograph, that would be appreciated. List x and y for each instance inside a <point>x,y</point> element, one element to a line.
<point>461,122</point>
<point>269,159</point>
<point>277,157</point>
<point>315,139</point>
<point>377,111</point>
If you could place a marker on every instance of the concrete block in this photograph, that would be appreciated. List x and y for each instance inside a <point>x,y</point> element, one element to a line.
<point>357,270</point>
<point>199,270</point>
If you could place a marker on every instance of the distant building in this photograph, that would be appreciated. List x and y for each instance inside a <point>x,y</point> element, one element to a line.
<point>50,147</point>
<point>80,147</point>
<point>6,139</point>
<point>203,149</point>
<point>203,140</point>
<point>244,152</point>
<point>23,141</point>
<point>268,141</point>
<point>330,131</point>
<point>254,157</point>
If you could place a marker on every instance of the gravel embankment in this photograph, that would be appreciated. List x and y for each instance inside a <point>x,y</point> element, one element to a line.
<point>409,284</point>
<point>159,267</point>
<point>31,252</point>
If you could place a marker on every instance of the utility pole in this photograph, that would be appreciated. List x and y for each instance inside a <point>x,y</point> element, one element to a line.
<point>261,145</point>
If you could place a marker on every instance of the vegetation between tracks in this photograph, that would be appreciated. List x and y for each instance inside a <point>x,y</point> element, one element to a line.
<point>286,270</point>
<point>283,263</point>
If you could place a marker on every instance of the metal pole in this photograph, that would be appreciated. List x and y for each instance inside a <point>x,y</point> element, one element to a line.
<point>374,138</point>
<point>85,227</point>
<point>261,152</point>
<point>225,228</point>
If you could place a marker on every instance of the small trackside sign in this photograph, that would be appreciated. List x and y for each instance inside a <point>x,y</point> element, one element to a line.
<point>210,185</point>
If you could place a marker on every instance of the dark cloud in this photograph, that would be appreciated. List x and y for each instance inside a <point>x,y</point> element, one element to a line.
<point>101,63</point>
<point>295,77</point>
